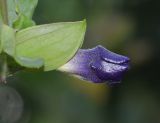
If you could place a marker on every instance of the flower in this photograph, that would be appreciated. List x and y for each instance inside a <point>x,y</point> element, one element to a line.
<point>97,65</point>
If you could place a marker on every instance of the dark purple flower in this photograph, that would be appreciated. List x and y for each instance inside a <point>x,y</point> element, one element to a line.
<point>97,65</point>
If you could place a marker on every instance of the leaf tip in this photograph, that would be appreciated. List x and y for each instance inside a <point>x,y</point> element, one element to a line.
<point>84,23</point>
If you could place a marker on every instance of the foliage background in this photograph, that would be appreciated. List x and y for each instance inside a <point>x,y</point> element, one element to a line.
<point>130,28</point>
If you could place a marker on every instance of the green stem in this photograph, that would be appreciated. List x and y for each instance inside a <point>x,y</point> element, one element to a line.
<point>3,6</point>
<point>4,68</point>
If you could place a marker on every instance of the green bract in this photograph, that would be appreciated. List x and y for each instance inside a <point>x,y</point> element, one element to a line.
<point>20,9</point>
<point>25,10</point>
<point>26,7</point>
<point>54,43</point>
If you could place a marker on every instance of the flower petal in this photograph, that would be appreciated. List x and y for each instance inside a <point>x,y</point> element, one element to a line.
<point>111,57</point>
<point>97,65</point>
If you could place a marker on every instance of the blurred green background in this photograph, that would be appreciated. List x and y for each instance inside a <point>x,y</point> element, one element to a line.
<point>126,27</point>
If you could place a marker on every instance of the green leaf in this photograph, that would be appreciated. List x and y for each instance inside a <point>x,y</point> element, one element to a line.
<point>8,40</point>
<point>54,43</point>
<point>23,22</point>
<point>26,7</point>
<point>18,8</point>
<point>29,62</point>
<point>12,15</point>
<point>24,10</point>
<point>8,46</point>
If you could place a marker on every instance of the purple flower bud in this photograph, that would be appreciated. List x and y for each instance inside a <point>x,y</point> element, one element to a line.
<point>97,65</point>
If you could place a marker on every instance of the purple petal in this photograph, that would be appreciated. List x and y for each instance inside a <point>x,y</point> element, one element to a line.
<point>97,65</point>
<point>111,57</point>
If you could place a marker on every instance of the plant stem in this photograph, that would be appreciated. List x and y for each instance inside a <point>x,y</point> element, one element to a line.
<point>4,66</point>
<point>3,7</point>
